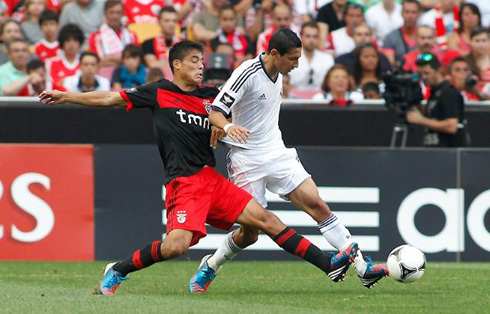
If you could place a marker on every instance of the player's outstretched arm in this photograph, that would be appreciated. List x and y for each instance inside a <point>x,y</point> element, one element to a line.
<point>237,133</point>
<point>90,99</point>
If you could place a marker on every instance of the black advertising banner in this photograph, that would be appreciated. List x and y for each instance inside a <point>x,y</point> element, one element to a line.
<point>385,197</point>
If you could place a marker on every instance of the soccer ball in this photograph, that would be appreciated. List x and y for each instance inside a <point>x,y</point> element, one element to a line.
<point>406,263</point>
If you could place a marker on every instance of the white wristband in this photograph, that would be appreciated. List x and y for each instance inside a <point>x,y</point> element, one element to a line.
<point>227,126</point>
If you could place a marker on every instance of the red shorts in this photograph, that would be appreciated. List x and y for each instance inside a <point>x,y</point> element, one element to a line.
<point>205,197</point>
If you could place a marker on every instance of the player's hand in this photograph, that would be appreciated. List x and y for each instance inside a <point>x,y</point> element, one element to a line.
<point>53,97</point>
<point>238,134</point>
<point>217,134</point>
<point>414,116</point>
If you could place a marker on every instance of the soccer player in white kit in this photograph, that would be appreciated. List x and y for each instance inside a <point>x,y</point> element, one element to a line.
<point>259,160</point>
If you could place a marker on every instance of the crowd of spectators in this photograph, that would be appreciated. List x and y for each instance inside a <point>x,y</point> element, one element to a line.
<point>348,46</point>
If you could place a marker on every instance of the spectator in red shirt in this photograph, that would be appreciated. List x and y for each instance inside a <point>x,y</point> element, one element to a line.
<point>67,62</point>
<point>426,43</point>
<point>110,39</point>
<point>142,11</point>
<point>470,18</point>
<point>48,46</point>
<point>156,50</point>
<point>228,34</point>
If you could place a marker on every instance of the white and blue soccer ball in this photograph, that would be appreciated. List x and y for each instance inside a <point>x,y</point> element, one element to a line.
<point>406,263</point>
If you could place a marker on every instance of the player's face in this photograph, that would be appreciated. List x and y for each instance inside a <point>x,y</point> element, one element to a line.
<point>191,67</point>
<point>287,62</point>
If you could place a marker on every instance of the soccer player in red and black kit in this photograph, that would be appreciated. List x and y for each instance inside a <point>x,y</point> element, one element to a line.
<point>196,193</point>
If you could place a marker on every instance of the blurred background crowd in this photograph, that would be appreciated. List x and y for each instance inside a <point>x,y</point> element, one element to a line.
<point>348,46</point>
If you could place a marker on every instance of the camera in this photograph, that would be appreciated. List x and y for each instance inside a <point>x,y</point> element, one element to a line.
<point>402,91</point>
<point>470,81</point>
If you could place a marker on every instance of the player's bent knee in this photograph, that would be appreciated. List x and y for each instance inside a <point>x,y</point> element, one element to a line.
<point>172,250</point>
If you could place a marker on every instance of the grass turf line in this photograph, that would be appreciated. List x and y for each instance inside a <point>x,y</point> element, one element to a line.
<point>241,287</point>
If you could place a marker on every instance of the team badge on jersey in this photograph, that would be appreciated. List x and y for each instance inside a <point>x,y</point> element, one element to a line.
<point>181,216</point>
<point>227,100</point>
<point>207,105</point>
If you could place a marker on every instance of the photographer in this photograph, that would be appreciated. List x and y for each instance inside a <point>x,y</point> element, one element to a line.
<point>443,115</point>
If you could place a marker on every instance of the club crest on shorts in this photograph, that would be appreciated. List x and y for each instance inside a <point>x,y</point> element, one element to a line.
<point>227,100</point>
<point>181,216</point>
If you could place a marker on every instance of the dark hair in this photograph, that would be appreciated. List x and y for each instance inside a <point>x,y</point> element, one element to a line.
<point>370,86</point>
<point>283,41</point>
<point>457,59</point>
<point>226,7</point>
<point>336,67</point>
<point>180,50</point>
<point>34,64</point>
<point>358,71</point>
<point>9,21</point>
<point>412,2</point>
<point>89,54</point>
<point>354,6</point>
<point>473,8</point>
<point>112,3</point>
<point>312,24</point>
<point>132,51</point>
<point>478,31</point>
<point>15,40</point>
<point>70,31</point>
<point>434,63</point>
<point>166,9</point>
<point>48,15</point>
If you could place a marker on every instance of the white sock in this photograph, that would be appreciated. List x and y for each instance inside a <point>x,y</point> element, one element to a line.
<point>339,236</point>
<point>225,252</point>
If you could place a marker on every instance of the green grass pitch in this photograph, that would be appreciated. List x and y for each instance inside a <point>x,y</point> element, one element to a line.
<point>241,287</point>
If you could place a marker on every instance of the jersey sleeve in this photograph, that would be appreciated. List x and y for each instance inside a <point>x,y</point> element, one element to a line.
<point>144,96</point>
<point>234,89</point>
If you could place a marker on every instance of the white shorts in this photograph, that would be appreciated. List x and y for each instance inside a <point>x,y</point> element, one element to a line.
<point>280,171</point>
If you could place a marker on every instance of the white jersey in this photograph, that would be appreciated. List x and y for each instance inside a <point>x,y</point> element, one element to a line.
<point>254,99</point>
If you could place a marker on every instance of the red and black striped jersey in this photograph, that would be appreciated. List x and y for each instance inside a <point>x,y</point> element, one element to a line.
<point>181,124</point>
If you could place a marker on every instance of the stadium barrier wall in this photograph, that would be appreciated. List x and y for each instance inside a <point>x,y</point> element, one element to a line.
<point>80,202</point>
<point>303,123</point>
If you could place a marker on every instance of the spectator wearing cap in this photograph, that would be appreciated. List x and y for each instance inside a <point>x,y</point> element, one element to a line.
<point>313,64</point>
<point>67,62</point>
<point>470,18</point>
<point>362,35</point>
<point>479,58</point>
<point>86,14</point>
<point>110,39</point>
<point>384,17</point>
<point>86,80</point>
<point>341,40</point>
<point>404,39</point>
<point>443,117</point>
<point>426,43</point>
<point>228,34</point>
<point>48,46</point>
<point>338,88</point>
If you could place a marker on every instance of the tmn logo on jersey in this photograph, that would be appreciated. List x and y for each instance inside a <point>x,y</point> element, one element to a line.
<point>227,100</point>
<point>262,97</point>
<point>195,119</point>
<point>181,216</point>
